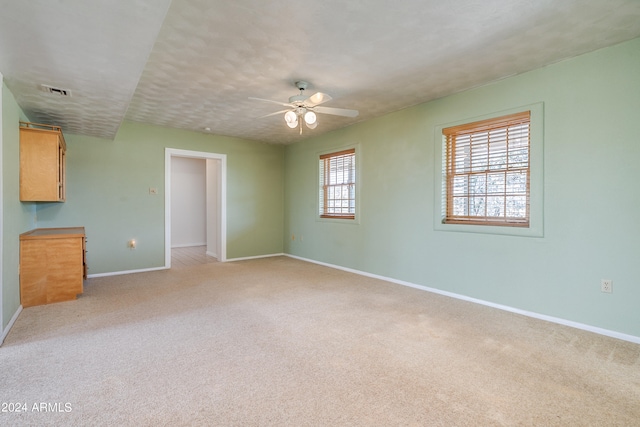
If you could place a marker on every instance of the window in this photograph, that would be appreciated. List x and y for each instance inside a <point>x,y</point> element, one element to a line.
<point>338,184</point>
<point>486,172</point>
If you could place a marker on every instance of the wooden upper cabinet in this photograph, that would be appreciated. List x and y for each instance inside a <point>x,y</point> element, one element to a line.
<point>42,163</point>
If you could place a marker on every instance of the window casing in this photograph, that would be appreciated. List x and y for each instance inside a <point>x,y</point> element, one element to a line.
<point>486,168</point>
<point>337,195</point>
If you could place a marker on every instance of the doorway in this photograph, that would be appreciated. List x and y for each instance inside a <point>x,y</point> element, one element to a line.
<point>216,201</point>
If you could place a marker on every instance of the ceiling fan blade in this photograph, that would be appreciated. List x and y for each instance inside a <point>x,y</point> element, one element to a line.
<point>273,102</point>
<point>317,99</point>
<point>273,114</point>
<point>336,111</point>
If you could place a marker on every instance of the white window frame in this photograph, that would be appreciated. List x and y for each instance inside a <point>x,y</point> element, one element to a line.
<point>536,178</point>
<point>358,184</point>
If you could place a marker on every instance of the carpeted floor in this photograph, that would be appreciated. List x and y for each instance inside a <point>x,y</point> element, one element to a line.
<point>281,342</point>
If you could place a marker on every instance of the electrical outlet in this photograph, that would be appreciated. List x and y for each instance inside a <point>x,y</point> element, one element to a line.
<point>606,285</point>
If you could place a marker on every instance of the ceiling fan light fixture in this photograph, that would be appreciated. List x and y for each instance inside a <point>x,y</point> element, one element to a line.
<point>303,108</point>
<point>291,119</point>
<point>310,118</point>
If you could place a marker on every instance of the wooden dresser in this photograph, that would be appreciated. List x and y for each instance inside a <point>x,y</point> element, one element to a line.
<point>52,265</point>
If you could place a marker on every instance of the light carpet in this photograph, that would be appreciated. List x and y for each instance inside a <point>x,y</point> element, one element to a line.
<point>282,342</point>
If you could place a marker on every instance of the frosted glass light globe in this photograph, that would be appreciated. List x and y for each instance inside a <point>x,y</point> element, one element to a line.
<point>310,117</point>
<point>291,118</point>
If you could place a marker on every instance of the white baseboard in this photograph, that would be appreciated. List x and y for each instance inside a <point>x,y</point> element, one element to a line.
<point>10,325</point>
<point>188,245</point>
<point>118,273</point>
<point>594,329</point>
<point>254,257</point>
<point>144,270</point>
<point>211,254</point>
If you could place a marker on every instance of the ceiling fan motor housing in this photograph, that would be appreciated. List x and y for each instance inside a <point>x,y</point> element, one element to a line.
<point>297,99</point>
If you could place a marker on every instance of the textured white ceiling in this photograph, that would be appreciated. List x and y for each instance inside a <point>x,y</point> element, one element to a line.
<point>96,49</point>
<point>192,64</point>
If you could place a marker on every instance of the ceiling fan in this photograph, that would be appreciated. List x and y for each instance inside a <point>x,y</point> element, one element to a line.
<point>302,108</point>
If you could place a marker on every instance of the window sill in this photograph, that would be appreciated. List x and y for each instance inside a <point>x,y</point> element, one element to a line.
<point>531,231</point>
<point>337,220</point>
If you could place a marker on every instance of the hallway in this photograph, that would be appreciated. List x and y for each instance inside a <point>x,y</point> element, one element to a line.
<point>191,255</point>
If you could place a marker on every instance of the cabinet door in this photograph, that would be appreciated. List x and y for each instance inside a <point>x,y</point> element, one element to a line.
<point>33,274</point>
<point>51,270</point>
<point>42,166</point>
<point>65,269</point>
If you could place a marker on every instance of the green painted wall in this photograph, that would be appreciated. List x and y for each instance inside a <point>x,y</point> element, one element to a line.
<point>108,193</point>
<point>17,217</point>
<point>591,197</point>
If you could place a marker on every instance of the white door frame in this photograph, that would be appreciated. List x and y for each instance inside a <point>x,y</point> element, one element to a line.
<point>222,198</point>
